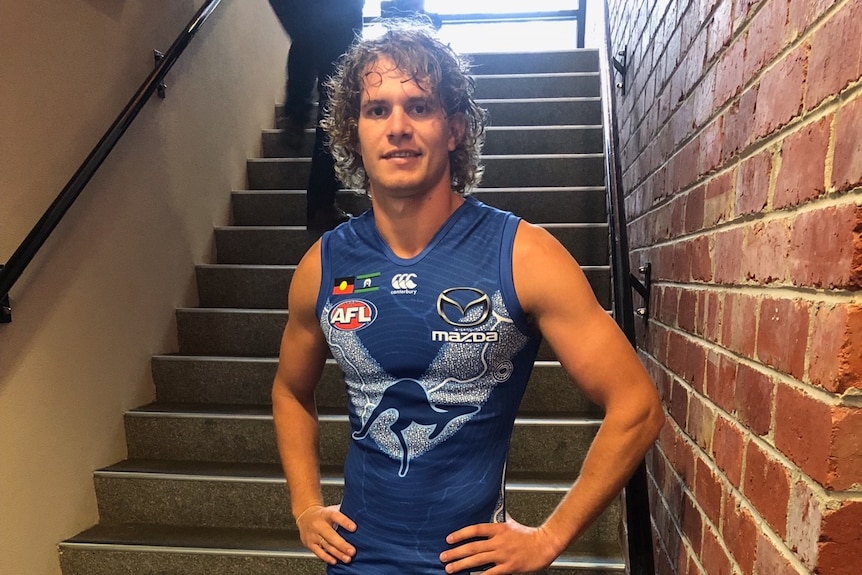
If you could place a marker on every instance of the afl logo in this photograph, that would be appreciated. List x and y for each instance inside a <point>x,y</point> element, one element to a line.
<point>463,306</point>
<point>352,314</point>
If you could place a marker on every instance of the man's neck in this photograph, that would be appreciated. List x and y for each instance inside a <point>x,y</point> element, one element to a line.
<point>407,225</point>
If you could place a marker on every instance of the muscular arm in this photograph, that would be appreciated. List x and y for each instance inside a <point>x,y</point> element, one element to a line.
<point>301,359</point>
<point>597,356</point>
<point>601,361</point>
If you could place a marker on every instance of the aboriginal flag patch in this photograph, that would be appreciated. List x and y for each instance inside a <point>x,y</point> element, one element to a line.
<point>343,286</point>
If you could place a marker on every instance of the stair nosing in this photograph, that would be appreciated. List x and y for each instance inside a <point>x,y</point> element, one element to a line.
<point>543,156</point>
<point>539,100</point>
<point>570,561</point>
<point>212,413</point>
<point>233,310</point>
<point>548,127</point>
<point>542,75</point>
<point>293,228</point>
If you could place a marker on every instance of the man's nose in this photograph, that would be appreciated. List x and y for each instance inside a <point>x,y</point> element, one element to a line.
<point>400,123</point>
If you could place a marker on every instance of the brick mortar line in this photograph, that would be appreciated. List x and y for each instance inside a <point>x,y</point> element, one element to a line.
<point>828,106</point>
<point>810,295</point>
<point>684,540</point>
<point>795,473</point>
<point>832,399</point>
<point>755,79</point>
<point>760,522</point>
<point>830,200</point>
<point>851,397</point>
<point>705,518</point>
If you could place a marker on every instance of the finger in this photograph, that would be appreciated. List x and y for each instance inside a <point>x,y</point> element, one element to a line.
<point>472,547</point>
<point>335,545</point>
<point>471,532</point>
<point>470,562</point>
<point>343,520</point>
<point>320,551</point>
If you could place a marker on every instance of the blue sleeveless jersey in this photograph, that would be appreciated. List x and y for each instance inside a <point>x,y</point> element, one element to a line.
<point>436,353</point>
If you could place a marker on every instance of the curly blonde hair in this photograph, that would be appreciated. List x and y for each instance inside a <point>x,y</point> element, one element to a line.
<point>415,51</point>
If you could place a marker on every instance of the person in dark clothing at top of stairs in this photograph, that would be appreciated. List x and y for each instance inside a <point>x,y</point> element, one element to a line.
<point>320,32</point>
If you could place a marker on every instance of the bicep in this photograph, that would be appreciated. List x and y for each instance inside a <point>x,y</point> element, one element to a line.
<point>589,345</point>
<point>303,347</point>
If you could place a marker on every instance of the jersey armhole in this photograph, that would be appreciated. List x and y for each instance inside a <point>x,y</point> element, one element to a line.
<point>507,281</point>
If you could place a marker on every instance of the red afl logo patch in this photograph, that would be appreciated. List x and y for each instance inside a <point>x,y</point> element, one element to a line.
<point>352,314</point>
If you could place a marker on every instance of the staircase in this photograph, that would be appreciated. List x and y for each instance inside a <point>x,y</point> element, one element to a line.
<point>202,491</point>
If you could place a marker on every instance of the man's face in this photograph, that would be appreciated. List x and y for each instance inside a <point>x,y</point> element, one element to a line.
<point>404,135</point>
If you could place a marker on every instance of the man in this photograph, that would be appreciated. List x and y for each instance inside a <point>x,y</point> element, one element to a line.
<point>434,305</point>
<point>320,32</point>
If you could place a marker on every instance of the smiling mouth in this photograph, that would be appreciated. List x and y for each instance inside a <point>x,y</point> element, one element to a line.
<point>401,154</point>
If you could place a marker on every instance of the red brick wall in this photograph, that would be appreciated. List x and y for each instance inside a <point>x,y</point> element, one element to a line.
<point>741,144</point>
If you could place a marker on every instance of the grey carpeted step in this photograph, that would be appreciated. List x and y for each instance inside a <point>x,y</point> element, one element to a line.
<point>535,62</point>
<point>230,332</point>
<point>248,381</point>
<point>285,207</point>
<point>250,496</point>
<point>543,111</point>
<point>551,139</point>
<point>244,434</point>
<point>265,286</point>
<point>153,549</point>
<point>546,85</point>
<point>501,171</point>
<point>536,205</point>
<point>285,245</point>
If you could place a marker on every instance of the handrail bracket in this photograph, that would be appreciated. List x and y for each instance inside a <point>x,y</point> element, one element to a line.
<point>621,66</point>
<point>644,289</point>
<point>158,57</point>
<point>5,308</point>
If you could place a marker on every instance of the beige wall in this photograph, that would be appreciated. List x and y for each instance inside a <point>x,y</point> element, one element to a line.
<point>99,298</point>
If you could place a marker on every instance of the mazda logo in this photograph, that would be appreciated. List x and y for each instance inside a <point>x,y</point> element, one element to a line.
<point>463,306</point>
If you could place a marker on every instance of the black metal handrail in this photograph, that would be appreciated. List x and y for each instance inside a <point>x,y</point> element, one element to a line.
<point>639,546</point>
<point>19,260</point>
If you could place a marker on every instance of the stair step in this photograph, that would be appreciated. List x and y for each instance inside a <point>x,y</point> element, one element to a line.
<point>230,332</point>
<point>585,60</point>
<point>285,207</point>
<point>244,434</point>
<point>153,549</point>
<point>501,171</point>
<point>538,85</point>
<point>542,111</point>
<point>248,381</point>
<point>255,496</point>
<point>285,245</point>
<point>536,205</point>
<point>550,139</point>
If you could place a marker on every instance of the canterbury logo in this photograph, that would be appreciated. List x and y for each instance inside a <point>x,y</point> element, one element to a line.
<point>403,281</point>
<point>474,311</point>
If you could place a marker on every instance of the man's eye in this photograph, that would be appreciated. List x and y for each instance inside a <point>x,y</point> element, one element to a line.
<point>375,112</point>
<point>421,109</point>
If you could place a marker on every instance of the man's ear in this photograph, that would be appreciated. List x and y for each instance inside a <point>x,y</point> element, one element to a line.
<point>457,128</point>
